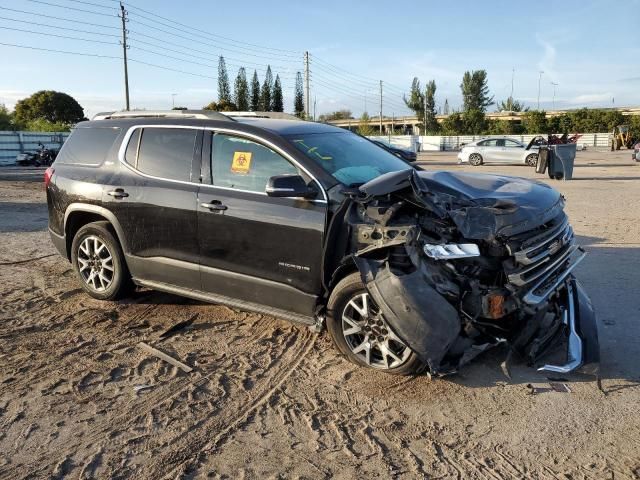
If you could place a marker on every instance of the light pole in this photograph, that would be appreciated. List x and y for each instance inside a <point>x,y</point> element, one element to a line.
<point>554,94</point>
<point>539,79</point>
<point>173,100</point>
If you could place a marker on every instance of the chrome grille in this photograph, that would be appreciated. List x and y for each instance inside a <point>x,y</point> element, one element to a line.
<point>542,260</point>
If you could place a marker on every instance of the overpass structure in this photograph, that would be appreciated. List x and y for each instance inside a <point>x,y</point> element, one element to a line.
<point>410,125</point>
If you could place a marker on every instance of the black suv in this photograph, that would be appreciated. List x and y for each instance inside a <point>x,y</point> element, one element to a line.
<point>308,222</point>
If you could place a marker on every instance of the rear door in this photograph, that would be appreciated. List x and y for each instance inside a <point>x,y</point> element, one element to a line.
<point>254,247</point>
<point>513,151</point>
<point>156,201</point>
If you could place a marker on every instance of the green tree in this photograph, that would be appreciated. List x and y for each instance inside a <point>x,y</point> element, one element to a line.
<point>222,106</point>
<point>224,91</point>
<point>5,118</point>
<point>43,125</point>
<point>254,104</point>
<point>337,115</point>
<point>364,128</point>
<point>241,91</point>
<point>416,98</point>
<point>298,99</point>
<point>445,109</point>
<point>278,101</point>
<point>453,124</point>
<point>55,107</point>
<point>266,92</point>
<point>431,123</point>
<point>535,122</point>
<point>474,122</point>
<point>475,91</point>
<point>511,105</point>
<point>504,127</point>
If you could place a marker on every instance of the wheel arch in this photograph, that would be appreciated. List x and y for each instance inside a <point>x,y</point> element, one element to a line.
<point>78,215</point>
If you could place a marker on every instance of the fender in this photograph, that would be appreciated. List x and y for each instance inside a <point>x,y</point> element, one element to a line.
<point>103,212</point>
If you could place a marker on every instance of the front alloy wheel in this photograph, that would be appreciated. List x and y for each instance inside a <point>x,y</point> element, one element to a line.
<point>475,159</point>
<point>368,335</point>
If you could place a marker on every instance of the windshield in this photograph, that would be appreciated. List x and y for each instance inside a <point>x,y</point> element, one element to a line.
<point>349,158</point>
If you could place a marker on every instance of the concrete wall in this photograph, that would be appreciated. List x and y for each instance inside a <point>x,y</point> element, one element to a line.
<point>13,143</point>
<point>427,143</point>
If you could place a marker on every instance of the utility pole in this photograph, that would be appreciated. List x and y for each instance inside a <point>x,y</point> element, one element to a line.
<point>123,16</point>
<point>315,100</point>
<point>424,120</point>
<point>380,107</point>
<point>306,85</point>
<point>554,94</point>
<point>173,100</point>
<point>539,79</point>
<point>513,72</point>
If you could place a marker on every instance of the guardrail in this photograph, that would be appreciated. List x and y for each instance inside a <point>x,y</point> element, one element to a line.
<point>14,143</point>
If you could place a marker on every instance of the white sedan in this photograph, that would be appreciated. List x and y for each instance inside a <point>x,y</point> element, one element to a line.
<point>499,150</point>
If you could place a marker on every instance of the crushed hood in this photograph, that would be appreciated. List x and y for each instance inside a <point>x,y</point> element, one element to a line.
<point>482,206</point>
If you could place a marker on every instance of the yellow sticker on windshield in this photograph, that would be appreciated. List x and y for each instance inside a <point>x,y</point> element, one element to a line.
<point>241,162</point>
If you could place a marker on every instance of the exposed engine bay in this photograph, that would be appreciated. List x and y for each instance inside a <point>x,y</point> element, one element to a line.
<point>459,263</point>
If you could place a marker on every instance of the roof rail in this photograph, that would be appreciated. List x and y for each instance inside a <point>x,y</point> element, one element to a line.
<point>199,114</point>
<point>276,115</point>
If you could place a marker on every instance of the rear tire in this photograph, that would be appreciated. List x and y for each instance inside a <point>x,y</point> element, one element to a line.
<point>475,159</point>
<point>99,263</point>
<point>532,160</point>
<point>371,342</point>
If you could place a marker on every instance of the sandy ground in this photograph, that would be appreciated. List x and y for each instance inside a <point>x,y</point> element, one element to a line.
<point>268,399</point>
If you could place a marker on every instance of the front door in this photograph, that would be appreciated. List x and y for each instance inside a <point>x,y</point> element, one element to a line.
<point>254,247</point>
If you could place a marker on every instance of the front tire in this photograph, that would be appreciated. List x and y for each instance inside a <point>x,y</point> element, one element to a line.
<point>531,160</point>
<point>362,335</point>
<point>475,159</point>
<point>99,263</point>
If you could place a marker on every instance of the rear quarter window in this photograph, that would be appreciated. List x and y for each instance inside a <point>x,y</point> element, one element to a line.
<point>166,152</point>
<point>88,146</point>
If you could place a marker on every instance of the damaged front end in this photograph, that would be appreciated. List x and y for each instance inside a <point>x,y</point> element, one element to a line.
<point>459,263</point>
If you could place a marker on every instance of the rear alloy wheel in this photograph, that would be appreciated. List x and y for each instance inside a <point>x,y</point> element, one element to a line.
<point>532,160</point>
<point>475,159</point>
<point>361,333</point>
<point>99,263</point>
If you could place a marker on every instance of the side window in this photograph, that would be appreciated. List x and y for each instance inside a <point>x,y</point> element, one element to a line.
<point>511,143</point>
<point>489,143</point>
<point>166,152</point>
<point>88,145</point>
<point>500,143</point>
<point>243,164</point>
<point>131,154</point>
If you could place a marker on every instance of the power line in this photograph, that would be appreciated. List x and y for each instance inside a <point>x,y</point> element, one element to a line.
<point>368,79</point>
<point>200,41</point>
<point>59,28</point>
<point>58,36</point>
<point>72,8</point>
<point>190,27</point>
<point>58,18</point>
<point>100,5</point>
<point>60,51</point>
<point>209,56</point>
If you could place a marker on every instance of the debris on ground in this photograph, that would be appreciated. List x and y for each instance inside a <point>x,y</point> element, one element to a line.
<point>536,388</point>
<point>163,356</point>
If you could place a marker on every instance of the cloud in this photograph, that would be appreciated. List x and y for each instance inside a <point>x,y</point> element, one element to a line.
<point>547,61</point>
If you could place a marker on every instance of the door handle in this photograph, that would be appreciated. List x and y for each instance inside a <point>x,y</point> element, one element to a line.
<point>214,206</point>
<point>118,193</point>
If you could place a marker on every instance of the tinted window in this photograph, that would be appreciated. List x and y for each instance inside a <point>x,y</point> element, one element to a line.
<point>500,143</point>
<point>511,143</point>
<point>167,152</point>
<point>240,163</point>
<point>131,154</point>
<point>88,146</point>
<point>349,158</point>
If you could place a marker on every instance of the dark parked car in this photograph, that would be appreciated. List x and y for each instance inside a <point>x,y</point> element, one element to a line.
<point>403,153</point>
<point>312,223</point>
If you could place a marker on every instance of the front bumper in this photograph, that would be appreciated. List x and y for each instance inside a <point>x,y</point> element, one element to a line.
<point>583,348</point>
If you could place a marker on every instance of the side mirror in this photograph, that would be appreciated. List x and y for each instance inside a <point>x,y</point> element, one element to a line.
<point>289,186</point>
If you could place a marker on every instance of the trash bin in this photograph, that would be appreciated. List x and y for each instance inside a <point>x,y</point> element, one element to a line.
<point>543,159</point>
<point>561,160</point>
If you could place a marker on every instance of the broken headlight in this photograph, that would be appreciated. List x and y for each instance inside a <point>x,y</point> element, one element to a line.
<point>451,251</point>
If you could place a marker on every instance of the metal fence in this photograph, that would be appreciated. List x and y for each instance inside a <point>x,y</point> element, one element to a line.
<point>14,143</point>
<point>451,143</point>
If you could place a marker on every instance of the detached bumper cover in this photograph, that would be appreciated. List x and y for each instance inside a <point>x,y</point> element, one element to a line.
<point>583,349</point>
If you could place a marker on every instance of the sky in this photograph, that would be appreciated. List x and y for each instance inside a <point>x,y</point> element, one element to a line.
<point>587,48</point>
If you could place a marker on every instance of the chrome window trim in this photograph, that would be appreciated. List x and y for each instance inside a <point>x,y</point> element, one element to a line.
<point>249,136</point>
